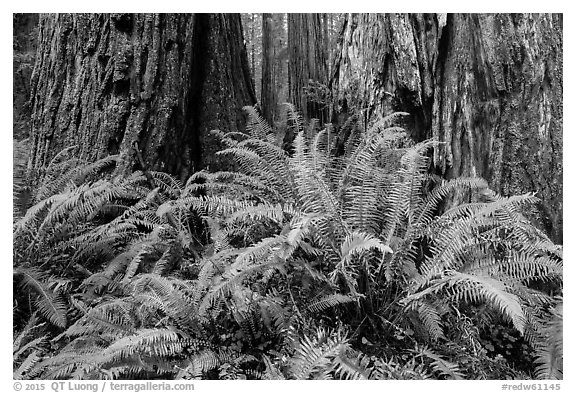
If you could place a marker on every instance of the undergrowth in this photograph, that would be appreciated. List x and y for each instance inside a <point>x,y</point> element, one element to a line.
<point>345,259</point>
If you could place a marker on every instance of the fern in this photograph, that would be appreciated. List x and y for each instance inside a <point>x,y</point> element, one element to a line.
<point>549,353</point>
<point>252,272</point>
<point>61,174</point>
<point>27,350</point>
<point>49,304</point>
<point>329,301</point>
<point>429,316</point>
<point>314,356</point>
<point>143,351</point>
<point>442,366</point>
<point>208,360</point>
<point>109,319</point>
<point>477,289</point>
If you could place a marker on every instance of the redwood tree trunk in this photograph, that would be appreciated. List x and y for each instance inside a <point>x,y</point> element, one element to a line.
<point>490,86</point>
<point>24,49</point>
<point>268,96</point>
<point>307,62</point>
<point>157,83</point>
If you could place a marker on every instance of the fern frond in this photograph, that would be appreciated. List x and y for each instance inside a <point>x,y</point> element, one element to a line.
<point>251,163</point>
<point>132,267</point>
<point>549,354</point>
<point>439,193</point>
<point>71,174</point>
<point>272,372</point>
<point>294,118</point>
<point>174,297</point>
<point>30,345</point>
<point>236,277</point>
<point>26,332</point>
<point>276,213</point>
<point>256,126</point>
<point>151,342</point>
<point>205,361</point>
<point>353,366</point>
<point>235,183</point>
<point>110,319</point>
<point>519,266</point>
<point>316,355</point>
<point>23,371</point>
<point>441,365</point>
<point>358,242</point>
<point>167,183</point>
<point>479,289</point>
<point>329,301</point>
<point>215,205</point>
<point>50,304</point>
<point>430,318</point>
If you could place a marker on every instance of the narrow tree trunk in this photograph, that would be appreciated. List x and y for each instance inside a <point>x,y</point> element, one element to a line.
<point>119,83</point>
<point>227,86</point>
<point>280,72</point>
<point>252,44</point>
<point>307,62</point>
<point>268,97</point>
<point>490,86</point>
<point>326,41</point>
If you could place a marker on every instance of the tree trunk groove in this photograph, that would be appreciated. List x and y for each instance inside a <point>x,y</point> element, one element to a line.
<point>307,62</point>
<point>154,83</point>
<point>489,85</point>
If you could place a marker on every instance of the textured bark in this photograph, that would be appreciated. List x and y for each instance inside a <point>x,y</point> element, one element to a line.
<point>281,57</point>
<point>253,43</point>
<point>23,26</point>
<point>280,63</point>
<point>252,24</point>
<point>118,83</point>
<point>490,86</point>
<point>226,83</point>
<point>268,96</point>
<point>24,50</point>
<point>307,62</point>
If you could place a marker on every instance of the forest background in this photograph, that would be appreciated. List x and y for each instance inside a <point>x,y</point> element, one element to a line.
<point>254,65</point>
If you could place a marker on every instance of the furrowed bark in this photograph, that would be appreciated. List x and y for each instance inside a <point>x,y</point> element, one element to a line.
<point>157,83</point>
<point>307,62</point>
<point>489,85</point>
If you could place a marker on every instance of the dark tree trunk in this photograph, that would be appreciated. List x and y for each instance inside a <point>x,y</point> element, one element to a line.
<point>307,62</point>
<point>490,86</point>
<point>23,27</point>
<point>253,43</point>
<point>118,83</point>
<point>268,96</point>
<point>24,48</point>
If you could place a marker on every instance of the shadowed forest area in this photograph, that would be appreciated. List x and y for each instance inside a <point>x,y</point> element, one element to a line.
<point>287,196</point>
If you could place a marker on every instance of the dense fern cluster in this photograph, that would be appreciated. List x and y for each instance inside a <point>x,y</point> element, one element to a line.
<point>344,259</point>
